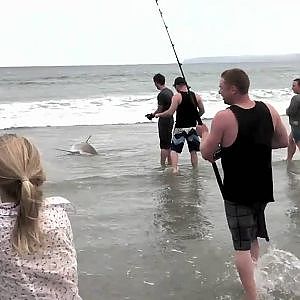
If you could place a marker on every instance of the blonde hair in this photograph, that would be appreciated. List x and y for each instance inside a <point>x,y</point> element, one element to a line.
<point>21,176</point>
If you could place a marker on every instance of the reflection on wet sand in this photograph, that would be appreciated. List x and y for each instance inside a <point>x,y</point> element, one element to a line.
<point>179,207</point>
<point>293,194</point>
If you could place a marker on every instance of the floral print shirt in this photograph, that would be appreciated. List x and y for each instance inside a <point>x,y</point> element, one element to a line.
<point>51,272</point>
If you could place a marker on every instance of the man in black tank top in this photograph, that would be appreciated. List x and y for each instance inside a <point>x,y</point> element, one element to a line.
<point>246,132</point>
<point>165,124</point>
<point>189,108</point>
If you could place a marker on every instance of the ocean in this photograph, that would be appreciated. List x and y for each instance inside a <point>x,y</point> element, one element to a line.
<point>97,95</point>
<point>140,232</point>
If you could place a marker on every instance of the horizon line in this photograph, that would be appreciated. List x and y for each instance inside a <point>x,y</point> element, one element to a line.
<point>170,63</point>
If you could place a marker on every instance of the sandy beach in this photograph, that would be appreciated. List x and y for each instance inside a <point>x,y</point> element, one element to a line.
<point>143,234</point>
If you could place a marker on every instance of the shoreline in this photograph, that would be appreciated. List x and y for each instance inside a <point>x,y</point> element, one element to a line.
<point>98,133</point>
<point>283,117</point>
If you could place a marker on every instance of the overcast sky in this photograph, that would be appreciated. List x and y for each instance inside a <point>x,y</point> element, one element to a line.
<point>74,32</point>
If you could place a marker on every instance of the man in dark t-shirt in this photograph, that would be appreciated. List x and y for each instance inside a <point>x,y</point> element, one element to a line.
<point>165,124</point>
<point>293,111</point>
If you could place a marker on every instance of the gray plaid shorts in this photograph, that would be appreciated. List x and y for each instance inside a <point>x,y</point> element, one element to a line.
<point>246,223</point>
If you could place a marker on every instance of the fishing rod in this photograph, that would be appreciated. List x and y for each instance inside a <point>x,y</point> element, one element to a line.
<point>178,62</point>
<point>214,165</point>
<point>173,46</point>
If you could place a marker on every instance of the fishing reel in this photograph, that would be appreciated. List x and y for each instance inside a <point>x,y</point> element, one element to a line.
<point>149,116</point>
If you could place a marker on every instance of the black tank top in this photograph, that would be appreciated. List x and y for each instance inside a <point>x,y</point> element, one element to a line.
<point>247,163</point>
<point>187,112</point>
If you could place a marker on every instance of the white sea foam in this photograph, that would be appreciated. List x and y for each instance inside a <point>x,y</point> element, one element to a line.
<point>278,274</point>
<point>125,109</point>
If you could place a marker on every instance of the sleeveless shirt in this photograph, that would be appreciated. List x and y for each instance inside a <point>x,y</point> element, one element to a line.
<point>247,163</point>
<point>187,112</point>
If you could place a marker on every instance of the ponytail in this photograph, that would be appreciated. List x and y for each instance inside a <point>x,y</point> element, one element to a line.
<point>27,235</point>
<point>21,176</point>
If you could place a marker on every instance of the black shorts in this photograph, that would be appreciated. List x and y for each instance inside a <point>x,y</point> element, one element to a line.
<point>246,223</point>
<point>165,127</point>
<point>296,133</point>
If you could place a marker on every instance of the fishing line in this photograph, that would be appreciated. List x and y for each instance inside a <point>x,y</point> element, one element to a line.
<point>214,165</point>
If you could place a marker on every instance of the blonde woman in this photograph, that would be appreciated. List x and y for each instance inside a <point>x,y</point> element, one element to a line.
<point>37,255</point>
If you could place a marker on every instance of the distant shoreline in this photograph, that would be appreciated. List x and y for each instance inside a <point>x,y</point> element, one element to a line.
<point>211,59</point>
<point>244,58</point>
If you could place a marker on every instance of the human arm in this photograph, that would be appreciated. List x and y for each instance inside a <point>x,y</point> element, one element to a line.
<point>152,115</point>
<point>280,136</point>
<point>158,110</point>
<point>174,104</point>
<point>200,105</point>
<point>212,140</point>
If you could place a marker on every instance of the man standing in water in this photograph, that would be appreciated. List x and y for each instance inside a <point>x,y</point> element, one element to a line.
<point>165,124</point>
<point>186,104</point>
<point>293,111</point>
<point>246,131</point>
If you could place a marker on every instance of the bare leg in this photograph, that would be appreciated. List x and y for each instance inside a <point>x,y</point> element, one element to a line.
<point>174,160</point>
<point>194,159</point>
<point>245,267</point>
<point>298,145</point>
<point>169,157</point>
<point>291,147</point>
<point>165,155</point>
<point>254,251</point>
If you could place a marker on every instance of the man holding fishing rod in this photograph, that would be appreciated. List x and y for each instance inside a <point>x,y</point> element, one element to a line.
<point>246,132</point>
<point>186,103</point>
<point>189,108</point>
<point>165,125</point>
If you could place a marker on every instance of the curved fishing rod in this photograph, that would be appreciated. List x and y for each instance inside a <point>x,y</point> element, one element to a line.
<point>178,62</point>
<point>214,165</point>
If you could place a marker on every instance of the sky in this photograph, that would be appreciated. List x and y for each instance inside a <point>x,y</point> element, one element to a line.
<point>105,32</point>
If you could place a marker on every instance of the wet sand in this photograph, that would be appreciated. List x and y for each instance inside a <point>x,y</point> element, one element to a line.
<point>143,234</point>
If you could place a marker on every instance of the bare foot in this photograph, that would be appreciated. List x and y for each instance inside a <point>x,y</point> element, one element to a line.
<point>175,170</point>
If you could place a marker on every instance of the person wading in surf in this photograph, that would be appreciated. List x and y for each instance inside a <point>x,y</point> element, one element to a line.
<point>189,108</point>
<point>165,124</point>
<point>246,132</point>
<point>293,111</point>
